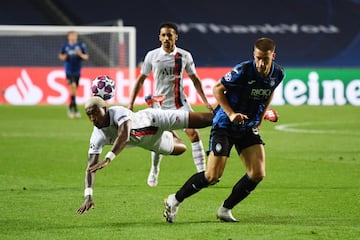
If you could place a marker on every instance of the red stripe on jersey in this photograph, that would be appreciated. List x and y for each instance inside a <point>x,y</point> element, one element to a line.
<point>177,72</point>
<point>144,131</point>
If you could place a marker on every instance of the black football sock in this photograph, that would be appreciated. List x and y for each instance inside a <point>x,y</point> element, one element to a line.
<point>193,185</point>
<point>73,103</point>
<point>240,191</point>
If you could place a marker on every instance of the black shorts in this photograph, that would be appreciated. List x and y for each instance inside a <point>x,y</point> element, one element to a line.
<point>222,140</point>
<point>72,79</point>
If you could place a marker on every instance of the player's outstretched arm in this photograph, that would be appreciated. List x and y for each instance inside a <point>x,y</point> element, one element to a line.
<point>119,144</point>
<point>87,205</point>
<point>136,89</point>
<point>198,86</point>
<point>89,183</point>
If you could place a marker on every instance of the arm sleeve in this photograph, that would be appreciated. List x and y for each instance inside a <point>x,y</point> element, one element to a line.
<point>97,141</point>
<point>190,65</point>
<point>121,116</point>
<point>233,77</point>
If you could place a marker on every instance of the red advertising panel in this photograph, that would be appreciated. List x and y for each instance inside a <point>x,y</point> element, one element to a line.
<point>46,85</point>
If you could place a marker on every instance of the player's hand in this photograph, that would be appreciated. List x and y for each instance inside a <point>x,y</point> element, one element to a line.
<point>271,115</point>
<point>238,118</point>
<point>99,165</point>
<point>86,206</point>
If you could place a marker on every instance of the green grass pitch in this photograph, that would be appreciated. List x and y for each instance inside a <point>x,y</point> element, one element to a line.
<point>311,191</point>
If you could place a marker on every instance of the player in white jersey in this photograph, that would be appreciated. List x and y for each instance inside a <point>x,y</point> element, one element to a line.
<point>168,64</point>
<point>120,127</point>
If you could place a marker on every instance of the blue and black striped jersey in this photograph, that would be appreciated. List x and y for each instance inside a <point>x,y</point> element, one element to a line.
<point>247,93</point>
<point>73,61</point>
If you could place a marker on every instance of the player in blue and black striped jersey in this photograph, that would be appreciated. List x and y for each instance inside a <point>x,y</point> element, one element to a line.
<point>73,52</point>
<point>243,95</point>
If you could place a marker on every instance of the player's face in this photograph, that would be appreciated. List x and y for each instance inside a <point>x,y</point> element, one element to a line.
<point>97,116</point>
<point>263,61</point>
<point>72,37</point>
<point>168,37</point>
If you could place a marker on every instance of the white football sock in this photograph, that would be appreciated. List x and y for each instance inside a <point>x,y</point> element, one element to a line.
<point>155,161</point>
<point>198,155</point>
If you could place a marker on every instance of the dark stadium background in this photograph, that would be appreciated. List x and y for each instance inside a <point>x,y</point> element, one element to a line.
<point>303,29</point>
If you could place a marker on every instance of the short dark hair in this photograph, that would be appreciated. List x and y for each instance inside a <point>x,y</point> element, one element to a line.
<point>265,44</point>
<point>169,25</point>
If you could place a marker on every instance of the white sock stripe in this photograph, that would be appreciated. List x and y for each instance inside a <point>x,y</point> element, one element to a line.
<point>197,145</point>
<point>198,155</point>
<point>156,159</point>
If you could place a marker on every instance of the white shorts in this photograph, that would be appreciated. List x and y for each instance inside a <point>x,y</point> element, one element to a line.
<point>164,144</point>
<point>150,128</point>
<point>186,107</point>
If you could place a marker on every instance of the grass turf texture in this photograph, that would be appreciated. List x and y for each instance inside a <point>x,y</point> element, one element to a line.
<point>311,190</point>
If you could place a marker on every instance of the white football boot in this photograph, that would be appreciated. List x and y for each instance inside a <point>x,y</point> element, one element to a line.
<point>70,113</point>
<point>224,214</point>
<point>77,115</point>
<point>171,208</point>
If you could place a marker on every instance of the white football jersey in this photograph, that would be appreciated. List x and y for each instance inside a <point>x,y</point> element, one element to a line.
<point>107,135</point>
<point>148,129</point>
<point>168,71</point>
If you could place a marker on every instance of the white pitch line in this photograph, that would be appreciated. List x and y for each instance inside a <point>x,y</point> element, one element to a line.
<point>296,128</point>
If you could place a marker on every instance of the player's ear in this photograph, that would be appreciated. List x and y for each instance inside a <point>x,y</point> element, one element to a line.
<point>273,56</point>
<point>102,111</point>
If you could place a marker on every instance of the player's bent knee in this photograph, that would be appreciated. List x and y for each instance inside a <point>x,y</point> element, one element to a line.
<point>258,177</point>
<point>257,174</point>
<point>212,179</point>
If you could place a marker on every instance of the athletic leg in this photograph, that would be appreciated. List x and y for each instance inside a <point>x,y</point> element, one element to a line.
<point>179,145</point>
<point>152,180</point>
<point>254,160</point>
<point>200,119</point>
<point>75,87</point>
<point>72,104</point>
<point>201,180</point>
<point>193,185</point>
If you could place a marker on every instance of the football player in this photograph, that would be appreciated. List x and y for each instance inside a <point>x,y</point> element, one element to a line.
<point>149,129</point>
<point>243,95</point>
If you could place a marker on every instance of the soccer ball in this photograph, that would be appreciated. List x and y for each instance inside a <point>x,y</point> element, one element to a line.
<point>103,86</point>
